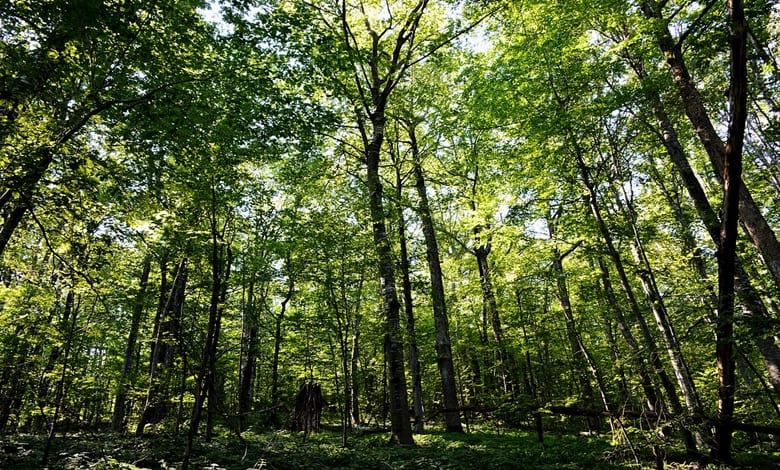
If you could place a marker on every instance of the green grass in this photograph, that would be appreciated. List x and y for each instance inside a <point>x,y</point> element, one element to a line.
<point>288,451</point>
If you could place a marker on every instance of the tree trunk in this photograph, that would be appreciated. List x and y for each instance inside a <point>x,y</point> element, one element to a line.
<point>732,188</point>
<point>215,395</point>
<point>278,319</point>
<point>25,189</point>
<point>401,430</point>
<point>440,320</point>
<point>752,219</point>
<point>354,369</point>
<point>205,384</point>
<point>506,368</point>
<point>338,303</point>
<point>15,378</point>
<point>375,87</point>
<point>60,393</point>
<point>121,403</point>
<point>577,349</point>
<point>245,395</point>
<point>625,395</point>
<point>51,361</point>
<point>654,298</point>
<point>657,305</point>
<point>155,407</point>
<point>10,223</point>
<point>673,400</point>
<point>406,283</point>
<point>750,299</point>
<point>308,408</point>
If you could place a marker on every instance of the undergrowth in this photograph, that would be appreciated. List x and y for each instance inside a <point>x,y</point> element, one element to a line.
<point>290,451</point>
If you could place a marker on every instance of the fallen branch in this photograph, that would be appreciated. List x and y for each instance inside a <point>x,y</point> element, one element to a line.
<point>477,409</point>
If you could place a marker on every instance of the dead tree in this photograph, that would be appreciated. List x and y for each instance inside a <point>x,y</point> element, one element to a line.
<point>308,408</point>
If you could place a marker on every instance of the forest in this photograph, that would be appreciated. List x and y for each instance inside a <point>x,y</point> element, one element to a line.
<point>266,234</point>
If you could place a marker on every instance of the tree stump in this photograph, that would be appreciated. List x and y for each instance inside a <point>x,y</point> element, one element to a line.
<point>308,408</point>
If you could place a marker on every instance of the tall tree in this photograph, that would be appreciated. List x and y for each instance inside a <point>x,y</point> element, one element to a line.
<point>441,321</point>
<point>732,188</point>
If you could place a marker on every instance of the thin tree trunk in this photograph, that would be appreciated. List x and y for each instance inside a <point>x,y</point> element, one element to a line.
<point>440,320</point>
<point>490,312</point>
<point>216,387</point>
<point>205,384</point>
<point>15,379</point>
<point>657,304</point>
<point>654,298</point>
<point>577,349</point>
<point>673,400</point>
<point>530,381</point>
<point>732,187</point>
<point>120,403</point>
<point>343,323</point>
<point>748,298</point>
<point>354,369</point>
<point>51,361</point>
<point>162,353</point>
<point>625,395</point>
<point>406,283</point>
<point>278,319</point>
<point>245,395</point>
<point>60,394</point>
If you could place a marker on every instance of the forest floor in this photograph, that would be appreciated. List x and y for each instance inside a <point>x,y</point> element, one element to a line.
<point>285,450</point>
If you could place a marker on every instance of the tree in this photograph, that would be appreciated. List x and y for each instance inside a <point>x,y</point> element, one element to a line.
<point>69,64</point>
<point>753,220</point>
<point>440,318</point>
<point>732,186</point>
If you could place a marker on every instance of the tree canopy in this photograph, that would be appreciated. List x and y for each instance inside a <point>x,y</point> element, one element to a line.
<point>544,214</point>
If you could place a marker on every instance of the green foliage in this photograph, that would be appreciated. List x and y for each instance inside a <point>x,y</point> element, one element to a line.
<point>287,451</point>
<point>160,134</point>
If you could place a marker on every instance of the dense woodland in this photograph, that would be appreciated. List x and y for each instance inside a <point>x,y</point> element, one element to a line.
<point>445,214</point>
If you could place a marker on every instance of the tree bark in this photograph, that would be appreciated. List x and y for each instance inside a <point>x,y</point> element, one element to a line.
<point>162,353</point>
<point>249,372</point>
<point>355,369</point>
<point>205,384</point>
<point>10,223</point>
<point>440,320</point>
<point>490,312</point>
<point>60,392</point>
<point>657,304</point>
<point>278,319</point>
<point>411,336</point>
<point>673,401</point>
<point>576,346</point>
<point>732,187</point>
<point>625,395</point>
<point>375,84</point>
<point>651,396</point>
<point>401,431</point>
